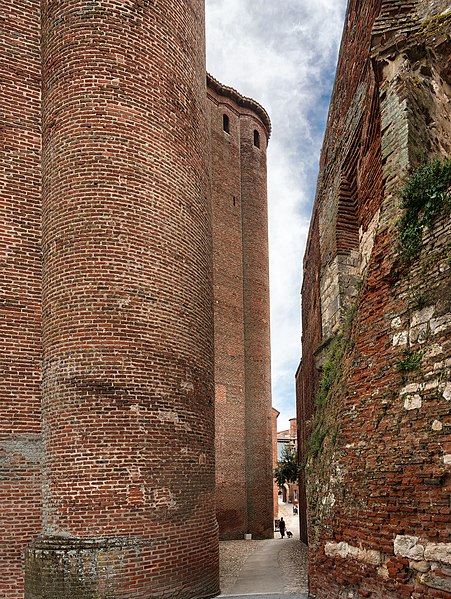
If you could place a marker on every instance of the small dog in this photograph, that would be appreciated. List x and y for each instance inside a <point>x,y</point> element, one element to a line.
<point>289,534</point>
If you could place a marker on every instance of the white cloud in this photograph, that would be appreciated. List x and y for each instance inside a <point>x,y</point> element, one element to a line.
<point>283,55</point>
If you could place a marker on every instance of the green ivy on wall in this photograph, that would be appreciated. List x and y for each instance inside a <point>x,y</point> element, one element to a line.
<point>425,195</point>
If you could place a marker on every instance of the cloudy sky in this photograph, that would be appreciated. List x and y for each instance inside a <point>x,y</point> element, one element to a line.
<point>283,54</point>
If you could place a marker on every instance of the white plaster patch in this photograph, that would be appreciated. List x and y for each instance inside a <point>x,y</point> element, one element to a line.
<point>437,425</point>
<point>408,546</point>
<point>346,551</point>
<point>396,323</point>
<point>438,552</point>
<point>431,385</point>
<point>411,388</point>
<point>412,402</point>
<point>447,391</point>
<point>187,386</point>
<point>329,500</point>
<point>173,418</point>
<point>419,333</point>
<point>400,338</point>
<point>383,572</point>
<point>422,316</point>
<point>434,350</point>
<point>162,498</point>
<point>447,459</point>
<point>440,324</point>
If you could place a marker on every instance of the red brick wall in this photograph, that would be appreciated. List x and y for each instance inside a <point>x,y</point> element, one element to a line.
<point>242,351</point>
<point>378,481</point>
<point>349,126</point>
<point>307,374</point>
<point>128,408</point>
<point>230,432</point>
<point>126,338</point>
<point>20,283</point>
<point>256,325</point>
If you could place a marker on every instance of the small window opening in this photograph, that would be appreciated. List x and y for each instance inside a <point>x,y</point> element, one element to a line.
<point>234,200</point>
<point>225,123</point>
<point>256,138</point>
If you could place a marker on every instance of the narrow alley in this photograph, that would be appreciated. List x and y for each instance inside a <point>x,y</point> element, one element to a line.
<point>273,567</point>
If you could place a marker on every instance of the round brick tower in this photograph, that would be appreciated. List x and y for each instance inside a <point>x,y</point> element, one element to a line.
<point>128,412</point>
<point>240,129</point>
<point>257,348</point>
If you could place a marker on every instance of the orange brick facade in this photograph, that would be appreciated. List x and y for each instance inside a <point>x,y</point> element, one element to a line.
<point>240,130</point>
<point>377,465</point>
<point>107,295</point>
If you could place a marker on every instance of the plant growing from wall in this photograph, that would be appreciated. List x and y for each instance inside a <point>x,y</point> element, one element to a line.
<point>287,470</point>
<point>425,195</point>
<point>409,363</point>
<point>332,371</point>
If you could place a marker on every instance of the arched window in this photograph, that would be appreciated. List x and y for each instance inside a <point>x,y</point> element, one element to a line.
<point>225,123</point>
<point>256,138</point>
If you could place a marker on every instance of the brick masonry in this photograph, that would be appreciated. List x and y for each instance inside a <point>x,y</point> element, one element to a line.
<point>108,302</point>
<point>378,485</point>
<point>241,295</point>
<point>20,284</point>
<point>128,404</point>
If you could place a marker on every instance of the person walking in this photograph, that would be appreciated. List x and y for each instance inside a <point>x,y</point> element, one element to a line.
<point>282,527</point>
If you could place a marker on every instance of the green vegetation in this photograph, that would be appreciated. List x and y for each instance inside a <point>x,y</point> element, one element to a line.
<point>287,470</point>
<point>437,24</point>
<point>332,371</point>
<point>316,440</point>
<point>420,300</point>
<point>410,362</point>
<point>425,195</point>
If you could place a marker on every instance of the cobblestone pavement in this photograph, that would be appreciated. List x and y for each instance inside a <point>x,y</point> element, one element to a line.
<point>291,556</point>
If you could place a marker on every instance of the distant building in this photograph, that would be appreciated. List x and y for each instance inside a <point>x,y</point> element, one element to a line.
<point>288,439</point>
<point>275,414</point>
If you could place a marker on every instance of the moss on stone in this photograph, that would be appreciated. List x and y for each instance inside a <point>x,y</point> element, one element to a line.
<point>332,373</point>
<point>436,25</point>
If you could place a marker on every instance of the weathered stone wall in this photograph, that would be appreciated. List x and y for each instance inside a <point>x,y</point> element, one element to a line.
<point>306,375</point>
<point>377,465</point>
<point>241,294</point>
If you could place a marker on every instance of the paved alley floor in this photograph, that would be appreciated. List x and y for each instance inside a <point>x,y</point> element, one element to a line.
<point>276,568</point>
